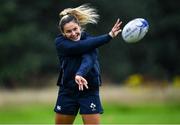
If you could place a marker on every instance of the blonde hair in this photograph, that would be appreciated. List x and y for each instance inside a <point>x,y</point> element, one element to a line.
<point>83,15</point>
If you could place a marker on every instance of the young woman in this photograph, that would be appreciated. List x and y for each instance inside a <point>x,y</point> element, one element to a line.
<point>79,76</point>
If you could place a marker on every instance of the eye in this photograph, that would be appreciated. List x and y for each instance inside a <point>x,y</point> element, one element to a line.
<point>68,31</point>
<point>75,29</point>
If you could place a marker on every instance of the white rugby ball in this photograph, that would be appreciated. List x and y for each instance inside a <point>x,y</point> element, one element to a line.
<point>135,30</point>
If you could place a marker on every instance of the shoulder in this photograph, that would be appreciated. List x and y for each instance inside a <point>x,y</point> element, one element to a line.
<point>60,39</point>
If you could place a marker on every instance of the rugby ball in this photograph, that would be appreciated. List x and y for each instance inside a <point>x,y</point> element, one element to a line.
<point>135,30</point>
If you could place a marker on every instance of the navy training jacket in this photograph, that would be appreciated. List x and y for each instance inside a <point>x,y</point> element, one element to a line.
<point>79,58</point>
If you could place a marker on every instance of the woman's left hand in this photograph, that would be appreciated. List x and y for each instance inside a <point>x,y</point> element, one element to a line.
<point>81,82</point>
<point>116,29</point>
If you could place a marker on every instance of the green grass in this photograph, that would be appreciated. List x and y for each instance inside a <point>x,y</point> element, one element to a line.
<point>114,113</point>
<point>34,113</point>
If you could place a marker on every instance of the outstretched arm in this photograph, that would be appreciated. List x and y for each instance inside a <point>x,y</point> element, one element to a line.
<point>68,47</point>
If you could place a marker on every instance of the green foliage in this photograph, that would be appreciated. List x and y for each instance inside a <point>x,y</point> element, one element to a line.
<point>26,46</point>
<point>28,29</point>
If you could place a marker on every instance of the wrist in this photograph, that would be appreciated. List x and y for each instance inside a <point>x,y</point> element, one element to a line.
<point>111,34</point>
<point>80,74</point>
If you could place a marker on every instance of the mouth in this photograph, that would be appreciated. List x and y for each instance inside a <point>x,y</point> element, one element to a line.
<point>76,38</point>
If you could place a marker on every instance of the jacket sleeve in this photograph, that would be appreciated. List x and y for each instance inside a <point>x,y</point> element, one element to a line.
<point>67,47</point>
<point>87,63</point>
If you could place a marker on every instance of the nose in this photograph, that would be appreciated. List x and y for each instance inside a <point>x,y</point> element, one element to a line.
<point>73,33</point>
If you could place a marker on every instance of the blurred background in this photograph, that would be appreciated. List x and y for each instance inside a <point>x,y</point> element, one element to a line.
<point>142,79</point>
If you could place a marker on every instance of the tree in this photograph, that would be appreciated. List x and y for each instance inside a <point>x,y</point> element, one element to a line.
<point>28,29</point>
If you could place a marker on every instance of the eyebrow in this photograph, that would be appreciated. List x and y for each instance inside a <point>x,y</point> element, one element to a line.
<point>71,29</point>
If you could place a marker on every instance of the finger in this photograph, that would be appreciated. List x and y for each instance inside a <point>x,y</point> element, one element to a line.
<point>116,23</point>
<point>84,81</point>
<point>86,86</point>
<point>117,28</point>
<point>119,24</point>
<point>81,87</point>
<point>79,84</point>
<point>77,81</point>
<point>117,32</point>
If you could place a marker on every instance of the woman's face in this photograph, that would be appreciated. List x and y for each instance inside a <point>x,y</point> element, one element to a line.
<point>72,31</point>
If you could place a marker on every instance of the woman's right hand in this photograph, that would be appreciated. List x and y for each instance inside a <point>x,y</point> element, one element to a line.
<point>116,29</point>
<point>81,82</point>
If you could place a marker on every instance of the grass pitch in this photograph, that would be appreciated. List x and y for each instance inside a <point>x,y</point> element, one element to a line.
<point>114,113</point>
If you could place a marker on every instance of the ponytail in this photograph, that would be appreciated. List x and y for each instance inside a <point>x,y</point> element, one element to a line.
<point>82,15</point>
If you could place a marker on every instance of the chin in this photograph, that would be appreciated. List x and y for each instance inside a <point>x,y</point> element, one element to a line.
<point>76,39</point>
